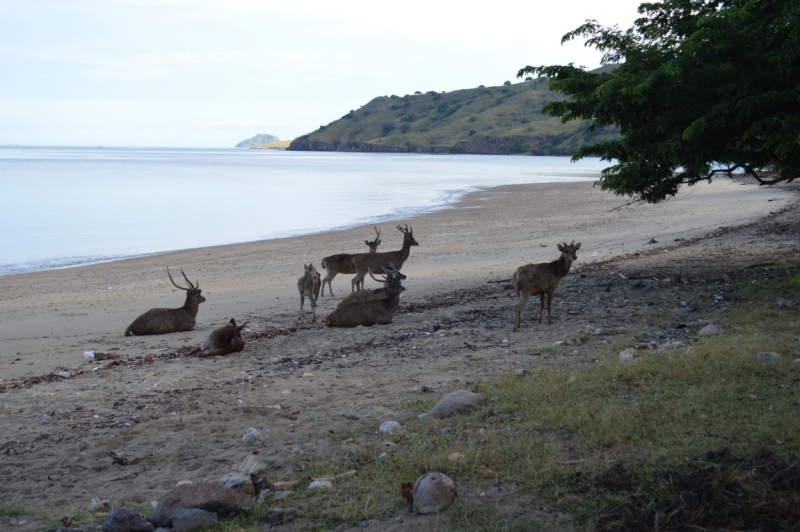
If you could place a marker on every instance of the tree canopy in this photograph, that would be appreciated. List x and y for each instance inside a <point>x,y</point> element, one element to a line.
<point>698,88</point>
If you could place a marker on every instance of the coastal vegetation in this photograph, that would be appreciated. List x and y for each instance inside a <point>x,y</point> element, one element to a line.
<point>506,119</point>
<point>701,88</point>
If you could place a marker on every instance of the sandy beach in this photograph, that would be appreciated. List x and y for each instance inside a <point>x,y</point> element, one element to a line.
<point>183,418</point>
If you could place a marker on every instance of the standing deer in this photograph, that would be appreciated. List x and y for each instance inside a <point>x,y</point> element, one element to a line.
<point>342,263</point>
<point>542,279</point>
<point>223,341</point>
<point>363,262</point>
<point>308,285</point>
<point>168,320</point>
<point>368,312</point>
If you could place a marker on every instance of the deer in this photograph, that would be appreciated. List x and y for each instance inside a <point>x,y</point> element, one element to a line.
<point>362,262</point>
<point>368,312</point>
<point>367,295</point>
<point>342,262</point>
<point>169,320</point>
<point>542,280</point>
<point>308,285</point>
<point>222,341</point>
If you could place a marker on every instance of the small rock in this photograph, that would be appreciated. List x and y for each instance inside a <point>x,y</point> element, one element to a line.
<point>709,330</point>
<point>786,303</point>
<point>192,518</point>
<point>457,457</point>
<point>240,482</point>
<point>281,516</point>
<point>98,504</point>
<point>182,482</point>
<point>626,357</point>
<point>769,356</point>
<point>282,494</point>
<point>447,430</point>
<point>262,497</point>
<point>125,520</point>
<point>320,484</point>
<point>252,466</point>
<point>389,427</point>
<point>307,375</point>
<point>584,365</point>
<point>422,416</point>
<point>252,437</point>
<point>559,342</point>
<point>455,402</point>
<point>796,361</point>
<point>433,492</point>
<point>520,372</point>
<point>204,496</point>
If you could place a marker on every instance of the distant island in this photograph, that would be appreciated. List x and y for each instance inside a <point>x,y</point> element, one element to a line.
<point>258,141</point>
<point>505,119</point>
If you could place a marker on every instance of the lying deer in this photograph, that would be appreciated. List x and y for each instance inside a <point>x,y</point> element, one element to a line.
<point>363,262</point>
<point>308,285</point>
<point>168,320</point>
<point>342,263</point>
<point>368,312</point>
<point>542,279</point>
<point>223,341</point>
<point>367,295</point>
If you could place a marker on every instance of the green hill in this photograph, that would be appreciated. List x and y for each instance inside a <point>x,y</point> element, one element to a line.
<point>488,120</point>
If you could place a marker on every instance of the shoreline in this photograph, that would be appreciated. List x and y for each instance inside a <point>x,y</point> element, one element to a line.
<point>49,318</point>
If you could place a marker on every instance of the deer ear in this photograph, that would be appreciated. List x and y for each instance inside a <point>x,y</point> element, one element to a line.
<point>560,247</point>
<point>577,246</point>
<point>232,322</point>
<point>378,242</point>
<point>366,242</point>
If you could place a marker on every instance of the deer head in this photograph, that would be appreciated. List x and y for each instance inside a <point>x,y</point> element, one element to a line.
<point>193,293</point>
<point>373,246</point>
<point>392,278</point>
<point>568,250</point>
<point>310,268</point>
<point>408,235</point>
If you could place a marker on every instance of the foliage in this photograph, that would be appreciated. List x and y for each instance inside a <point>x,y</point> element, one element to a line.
<point>700,87</point>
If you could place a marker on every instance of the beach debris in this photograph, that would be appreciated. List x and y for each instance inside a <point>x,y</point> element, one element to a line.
<point>118,458</point>
<point>204,496</point>
<point>320,484</point>
<point>240,482</point>
<point>192,518</point>
<point>64,374</point>
<point>125,520</point>
<point>786,303</point>
<point>389,427</point>
<point>625,357</point>
<point>432,492</point>
<point>455,402</point>
<point>252,437</point>
<point>181,483</point>
<point>769,356</point>
<point>285,485</point>
<point>709,329</point>
<point>88,354</point>
<point>281,516</point>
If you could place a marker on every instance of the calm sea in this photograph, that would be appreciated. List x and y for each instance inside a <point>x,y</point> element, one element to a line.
<point>70,206</point>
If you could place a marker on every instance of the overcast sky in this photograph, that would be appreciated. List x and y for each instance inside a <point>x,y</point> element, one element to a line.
<point>199,73</point>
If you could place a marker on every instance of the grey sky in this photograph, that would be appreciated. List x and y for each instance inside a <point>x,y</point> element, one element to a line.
<point>209,74</point>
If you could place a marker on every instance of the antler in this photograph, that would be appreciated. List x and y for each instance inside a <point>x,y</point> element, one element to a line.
<point>391,270</point>
<point>384,281</point>
<point>176,284</point>
<point>405,231</point>
<point>377,233</point>
<point>194,286</point>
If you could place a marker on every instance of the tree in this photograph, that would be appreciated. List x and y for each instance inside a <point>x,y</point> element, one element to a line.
<point>506,83</point>
<point>698,88</point>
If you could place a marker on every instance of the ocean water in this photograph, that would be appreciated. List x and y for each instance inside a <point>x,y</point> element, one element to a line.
<point>70,206</point>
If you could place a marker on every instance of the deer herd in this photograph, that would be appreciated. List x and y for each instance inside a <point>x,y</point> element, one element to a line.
<point>360,307</point>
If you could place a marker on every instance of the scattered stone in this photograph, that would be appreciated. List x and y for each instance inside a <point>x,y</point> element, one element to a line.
<point>786,303</point>
<point>125,520</point>
<point>520,372</point>
<point>447,430</point>
<point>252,466</point>
<point>262,497</point>
<point>389,427</point>
<point>307,375</point>
<point>210,497</point>
<point>282,494</point>
<point>796,361</point>
<point>709,329</point>
<point>625,357</point>
<point>769,356</point>
<point>459,458</point>
<point>455,402</point>
<point>433,492</point>
<point>182,482</point>
<point>252,437</point>
<point>422,416</point>
<point>240,482</point>
<point>285,485</point>
<point>281,516</point>
<point>98,504</point>
<point>192,518</point>
<point>584,365</point>
<point>320,484</point>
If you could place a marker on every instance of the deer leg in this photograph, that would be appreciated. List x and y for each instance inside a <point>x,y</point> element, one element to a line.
<point>518,309</point>
<point>550,295</point>
<point>328,278</point>
<point>541,307</point>
<point>359,278</point>
<point>302,301</point>
<point>313,308</point>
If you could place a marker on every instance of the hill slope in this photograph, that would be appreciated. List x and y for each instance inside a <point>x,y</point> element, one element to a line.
<point>488,120</point>
<point>258,140</point>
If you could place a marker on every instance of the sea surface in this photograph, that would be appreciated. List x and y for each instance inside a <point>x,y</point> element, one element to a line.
<point>65,207</point>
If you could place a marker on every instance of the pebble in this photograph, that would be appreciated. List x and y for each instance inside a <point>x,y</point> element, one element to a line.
<point>709,330</point>
<point>422,416</point>
<point>192,518</point>
<point>125,520</point>
<point>252,437</point>
<point>282,494</point>
<point>626,357</point>
<point>520,372</point>
<point>281,516</point>
<point>308,375</point>
<point>769,356</point>
<point>786,303</point>
<point>389,427</point>
<point>320,484</point>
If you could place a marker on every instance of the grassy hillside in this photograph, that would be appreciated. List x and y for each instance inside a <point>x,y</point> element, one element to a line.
<point>493,120</point>
<point>279,145</point>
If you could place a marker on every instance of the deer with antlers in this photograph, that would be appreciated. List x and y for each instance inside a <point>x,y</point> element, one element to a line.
<point>342,262</point>
<point>168,320</point>
<point>363,262</point>
<point>542,280</point>
<point>308,285</point>
<point>378,309</point>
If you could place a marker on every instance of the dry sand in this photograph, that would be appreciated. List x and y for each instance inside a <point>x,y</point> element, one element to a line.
<point>183,418</point>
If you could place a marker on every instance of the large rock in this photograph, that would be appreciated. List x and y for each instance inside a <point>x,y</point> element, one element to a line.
<point>281,516</point>
<point>455,402</point>
<point>210,497</point>
<point>240,482</point>
<point>125,520</point>
<point>433,492</point>
<point>193,518</point>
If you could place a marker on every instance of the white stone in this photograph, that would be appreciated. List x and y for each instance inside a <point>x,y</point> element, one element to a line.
<point>252,437</point>
<point>389,427</point>
<point>626,357</point>
<point>321,484</point>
